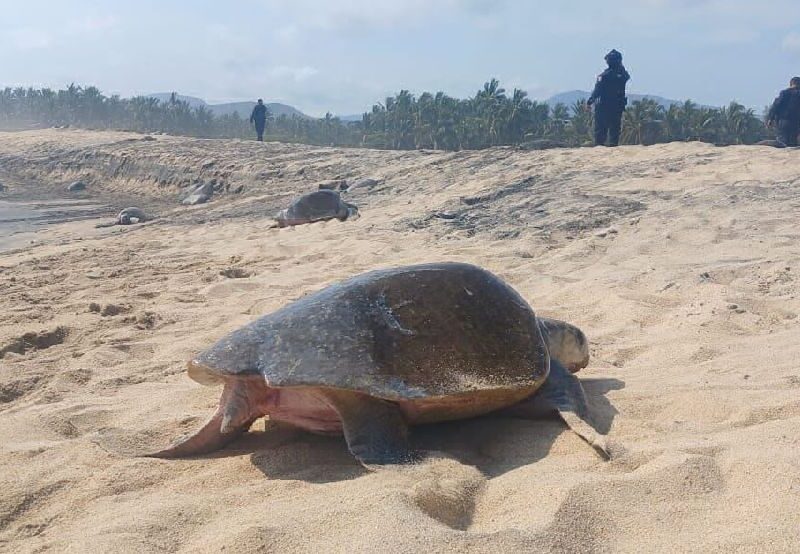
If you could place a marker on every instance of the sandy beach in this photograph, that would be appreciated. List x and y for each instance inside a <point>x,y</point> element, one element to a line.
<point>679,261</point>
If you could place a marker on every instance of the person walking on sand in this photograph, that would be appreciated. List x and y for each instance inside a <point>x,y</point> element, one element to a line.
<point>784,115</point>
<point>609,101</point>
<point>259,118</point>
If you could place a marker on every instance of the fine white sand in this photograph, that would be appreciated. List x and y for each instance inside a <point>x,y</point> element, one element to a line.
<point>679,261</point>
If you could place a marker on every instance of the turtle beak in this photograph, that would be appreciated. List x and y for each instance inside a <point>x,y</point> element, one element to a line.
<point>576,367</point>
<point>203,374</point>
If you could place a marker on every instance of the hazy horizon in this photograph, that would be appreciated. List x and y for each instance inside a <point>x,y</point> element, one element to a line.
<point>343,57</point>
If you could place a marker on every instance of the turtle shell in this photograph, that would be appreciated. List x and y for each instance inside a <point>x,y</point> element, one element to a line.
<point>316,206</point>
<point>407,333</point>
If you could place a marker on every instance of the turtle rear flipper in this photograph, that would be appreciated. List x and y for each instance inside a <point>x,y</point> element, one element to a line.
<point>374,429</point>
<point>238,409</point>
<point>562,393</point>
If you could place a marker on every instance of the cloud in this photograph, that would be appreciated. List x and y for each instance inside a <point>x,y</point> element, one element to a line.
<point>365,15</point>
<point>297,74</point>
<point>287,33</point>
<point>733,36</point>
<point>36,38</point>
<point>481,7</point>
<point>29,38</point>
<point>791,43</point>
<point>95,23</point>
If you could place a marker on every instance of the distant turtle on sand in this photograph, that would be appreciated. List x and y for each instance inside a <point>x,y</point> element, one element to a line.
<point>542,144</point>
<point>77,186</point>
<point>334,184</point>
<point>128,216</point>
<point>320,205</point>
<point>384,350</point>
<point>772,143</point>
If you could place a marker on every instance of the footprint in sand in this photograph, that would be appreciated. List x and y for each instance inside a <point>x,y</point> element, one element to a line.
<point>446,490</point>
<point>230,288</point>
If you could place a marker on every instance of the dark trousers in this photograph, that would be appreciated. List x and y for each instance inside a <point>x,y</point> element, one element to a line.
<point>260,129</point>
<point>607,126</point>
<point>787,132</point>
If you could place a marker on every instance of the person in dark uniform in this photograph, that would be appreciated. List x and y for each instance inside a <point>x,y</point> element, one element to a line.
<point>784,114</point>
<point>609,101</point>
<point>259,118</point>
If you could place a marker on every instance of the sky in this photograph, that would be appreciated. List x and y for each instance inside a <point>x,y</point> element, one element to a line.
<point>343,56</point>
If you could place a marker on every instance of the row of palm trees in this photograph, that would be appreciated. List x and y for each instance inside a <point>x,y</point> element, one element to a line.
<point>492,117</point>
<point>87,107</point>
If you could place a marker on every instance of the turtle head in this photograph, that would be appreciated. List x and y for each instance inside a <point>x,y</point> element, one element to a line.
<point>352,211</point>
<point>282,217</point>
<point>235,355</point>
<point>566,343</point>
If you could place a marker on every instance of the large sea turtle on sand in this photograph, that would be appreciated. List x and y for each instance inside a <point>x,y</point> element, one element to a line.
<point>372,355</point>
<point>320,205</point>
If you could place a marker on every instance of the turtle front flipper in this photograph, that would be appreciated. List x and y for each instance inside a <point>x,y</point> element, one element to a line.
<point>374,429</point>
<point>562,392</point>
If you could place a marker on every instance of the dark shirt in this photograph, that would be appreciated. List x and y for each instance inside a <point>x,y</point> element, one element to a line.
<point>259,113</point>
<point>786,107</point>
<point>609,92</point>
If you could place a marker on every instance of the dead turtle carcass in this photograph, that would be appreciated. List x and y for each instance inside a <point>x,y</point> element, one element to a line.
<point>321,205</point>
<point>385,350</point>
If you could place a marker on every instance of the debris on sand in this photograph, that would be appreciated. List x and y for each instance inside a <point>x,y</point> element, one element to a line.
<point>201,194</point>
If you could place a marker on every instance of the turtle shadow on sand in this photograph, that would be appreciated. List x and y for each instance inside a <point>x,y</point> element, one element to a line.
<point>495,443</point>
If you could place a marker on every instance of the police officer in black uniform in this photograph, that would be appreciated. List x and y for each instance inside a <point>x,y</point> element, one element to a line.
<point>784,114</point>
<point>609,101</point>
<point>259,118</point>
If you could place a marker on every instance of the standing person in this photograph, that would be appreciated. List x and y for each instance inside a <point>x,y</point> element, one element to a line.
<point>784,114</point>
<point>259,118</point>
<point>609,101</point>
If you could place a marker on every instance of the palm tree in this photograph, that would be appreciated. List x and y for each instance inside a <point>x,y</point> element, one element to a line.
<point>642,122</point>
<point>581,123</point>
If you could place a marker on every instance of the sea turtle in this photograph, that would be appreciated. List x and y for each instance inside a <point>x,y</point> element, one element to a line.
<point>772,143</point>
<point>128,216</point>
<point>131,215</point>
<point>542,144</point>
<point>370,356</point>
<point>333,184</point>
<point>320,205</point>
<point>76,186</point>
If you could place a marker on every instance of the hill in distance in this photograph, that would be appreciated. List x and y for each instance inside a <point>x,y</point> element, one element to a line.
<point>570,97</point>
<point>244,108</point>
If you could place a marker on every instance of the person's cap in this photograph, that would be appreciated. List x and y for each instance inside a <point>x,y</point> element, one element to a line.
<point>613,55</point>
<point>795,81</point>
<point>260,100</point>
